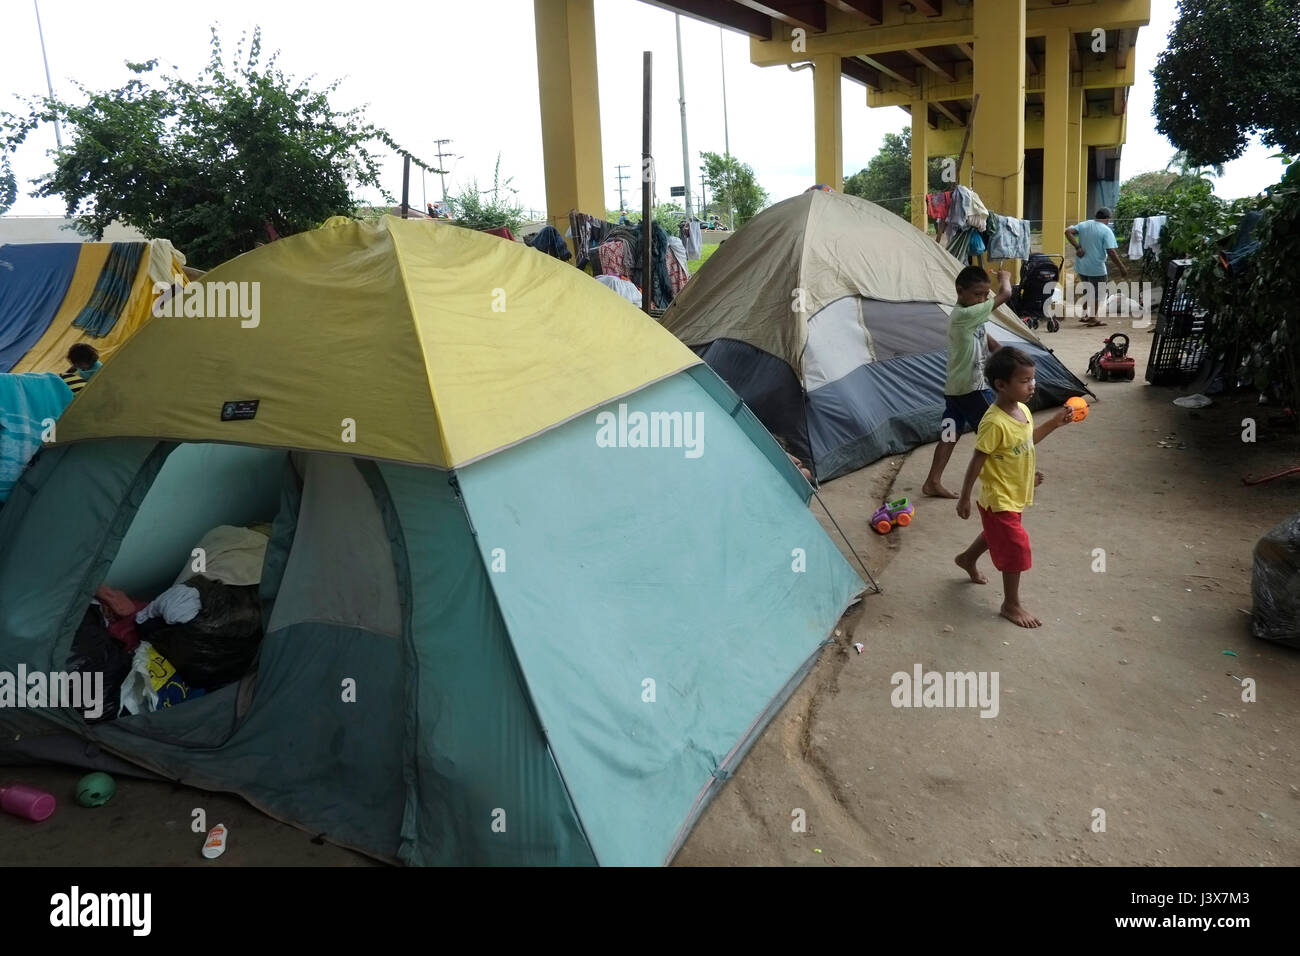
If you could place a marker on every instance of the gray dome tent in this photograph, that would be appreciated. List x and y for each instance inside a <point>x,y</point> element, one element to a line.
<point>828,315</point>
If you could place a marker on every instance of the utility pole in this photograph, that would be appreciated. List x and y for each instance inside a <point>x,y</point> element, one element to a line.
<point>722,51</point>
<point>58,137</point>
<point>442,175</point>
<point>704,196</point>
<point>621,176</point>
<point>681,88</point>
<point>726,133</point>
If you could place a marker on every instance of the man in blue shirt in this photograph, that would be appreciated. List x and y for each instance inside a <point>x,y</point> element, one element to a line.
<point>1093,241</point>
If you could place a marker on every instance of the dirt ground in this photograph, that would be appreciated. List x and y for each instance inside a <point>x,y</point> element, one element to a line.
<point>1123,702</point>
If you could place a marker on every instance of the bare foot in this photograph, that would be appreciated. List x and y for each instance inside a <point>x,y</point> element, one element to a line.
<point>968,566</point>
<point>1018,615</point>
<point>937,490</point>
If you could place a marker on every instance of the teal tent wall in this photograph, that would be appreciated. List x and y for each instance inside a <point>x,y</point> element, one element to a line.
<point>623,565</point>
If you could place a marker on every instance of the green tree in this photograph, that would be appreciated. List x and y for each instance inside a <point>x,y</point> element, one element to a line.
<point>1153,193</point>
<point>1231,69</point>
<point>493,208</point>
<point>210,163</point>
<point>8,185</point>
<point>732,185</point>
<point>887,178</point>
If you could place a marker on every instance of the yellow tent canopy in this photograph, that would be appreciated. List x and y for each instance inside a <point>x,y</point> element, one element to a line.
<point>401,340</point>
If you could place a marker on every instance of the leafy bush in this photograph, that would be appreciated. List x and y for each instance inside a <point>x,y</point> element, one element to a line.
<point>489,208</point>
<point>1255,324</point>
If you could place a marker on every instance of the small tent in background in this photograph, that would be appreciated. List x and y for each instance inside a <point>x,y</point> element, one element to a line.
<point>536,578</point>
<point>828,315</point>
<point>55,294</point>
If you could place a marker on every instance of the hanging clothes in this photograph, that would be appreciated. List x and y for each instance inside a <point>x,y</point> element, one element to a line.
<point>967,209</point>
<point>938,204</point>
<point>1009,238</point>
<point>615,257</point>
<point>691,238</point>
<point>1135,239</point>
<point>549,241</point>
<point>1154,225</point>
<point>678,272</point>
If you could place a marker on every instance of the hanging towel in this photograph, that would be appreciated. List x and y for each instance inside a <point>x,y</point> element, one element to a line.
<point>1154,225</point>
<point>27,400</point>
<point>1009,238</point>
<point>112,289</point>
<point>692,239</point>
<point>1135,239</point>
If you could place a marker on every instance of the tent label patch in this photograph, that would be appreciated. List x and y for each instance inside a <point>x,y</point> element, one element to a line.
<point>239,411</point>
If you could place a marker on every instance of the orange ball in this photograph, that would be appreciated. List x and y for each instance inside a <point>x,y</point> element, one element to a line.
<point>1080,408</point>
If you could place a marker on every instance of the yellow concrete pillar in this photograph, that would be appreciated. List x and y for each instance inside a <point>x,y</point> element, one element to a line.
<point>828,130</point>
<point>566,75</point>
<point>1072,165</point>
<point>920,163</point>
<point>1083,179</point>
<point>1056,139</point>
<point>998,136</point>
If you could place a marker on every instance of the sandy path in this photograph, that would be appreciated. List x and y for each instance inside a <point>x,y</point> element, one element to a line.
<point>1102,708</point>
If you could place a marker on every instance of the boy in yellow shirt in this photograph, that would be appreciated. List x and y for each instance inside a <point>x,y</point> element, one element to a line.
<point>1004,463</point>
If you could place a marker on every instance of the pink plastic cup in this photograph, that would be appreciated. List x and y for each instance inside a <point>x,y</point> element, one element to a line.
<point>27,802</point>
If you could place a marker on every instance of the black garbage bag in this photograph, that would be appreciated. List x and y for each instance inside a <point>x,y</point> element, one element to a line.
<point>94,650</point>
<point>219,645</point>
<point>1275,584</point>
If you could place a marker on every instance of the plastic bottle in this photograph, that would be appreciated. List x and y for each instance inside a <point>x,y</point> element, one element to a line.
<point>215,844</point>
<point>27,802</point>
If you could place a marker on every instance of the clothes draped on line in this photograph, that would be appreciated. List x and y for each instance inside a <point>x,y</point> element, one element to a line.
<point>549,241</point>
<point>937,205</point>
<point>591,232</point>
<point>1008,238</point>
<point>967,209</point>
<point>624,259</point>
<point>1153,226</point>
<point>1135,239</point>
<point>691,239</point>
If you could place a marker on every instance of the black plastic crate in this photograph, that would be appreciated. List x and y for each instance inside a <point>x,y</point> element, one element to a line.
<point>1179,345</point>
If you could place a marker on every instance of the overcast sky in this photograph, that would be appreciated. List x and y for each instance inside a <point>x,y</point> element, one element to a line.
<point>468,72</point>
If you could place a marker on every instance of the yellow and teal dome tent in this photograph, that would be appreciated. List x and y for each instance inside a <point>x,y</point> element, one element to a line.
<point>535,577</point>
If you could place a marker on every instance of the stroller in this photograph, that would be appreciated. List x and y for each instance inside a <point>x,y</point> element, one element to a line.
<point>1030,299</point>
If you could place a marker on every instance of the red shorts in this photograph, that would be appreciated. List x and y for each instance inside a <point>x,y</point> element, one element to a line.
<point>1008,543</point>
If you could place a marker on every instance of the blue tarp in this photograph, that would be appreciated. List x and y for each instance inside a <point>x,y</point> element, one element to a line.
<point>33,280</point>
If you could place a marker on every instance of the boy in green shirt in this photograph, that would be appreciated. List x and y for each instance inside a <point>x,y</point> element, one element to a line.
<point>966,395</point>
<point>1004,463</point>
